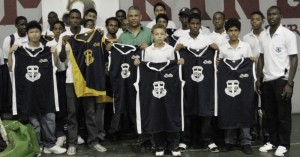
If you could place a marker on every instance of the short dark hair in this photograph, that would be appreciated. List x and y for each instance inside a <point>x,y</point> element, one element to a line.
<point>159,5</point>
<point>122,11</point>
<point>113,19</point>
<point>164,16</point>
<point>258,13</point>
<point>232,22</point>
<point>88,20</point>
<point>196,9</point>
<point>194,16</point>
<point>52,12</point>
<point>59,22</point>
<point>220,12</point>
<point>33,24</point>
<point>276,7</point>
<point>75,11</point>
<point>19,18</point>
<point>90,10</point>
<point>158,26</point>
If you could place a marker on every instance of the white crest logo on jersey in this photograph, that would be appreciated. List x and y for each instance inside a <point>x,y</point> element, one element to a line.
<point>233,89</point>
<point>33,73</point>
<point>197,74</point>
<point>43,60</point>
<point>135,57</point>
<point>159,90</point>
<point>244,75</point>
<point>168,75</point>
<point>125,73</point>
<point>207,62</point>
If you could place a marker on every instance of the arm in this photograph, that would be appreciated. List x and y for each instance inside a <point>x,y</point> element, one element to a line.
<point>260,66</point>
<point>55,56</point>
<point>288,89</point>
<point>61,47</point>
<point>10,53</point>
<point>6,47</point>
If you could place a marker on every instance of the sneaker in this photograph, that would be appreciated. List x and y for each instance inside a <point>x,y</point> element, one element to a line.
<point>213,148</point>
<point>182,146</point>
<point>80,140</point>
<point>159,152</point>
<point>61,140</point>
<point>280,151</point>
<point>99,148</point>
<point>247,149</point>
<point>39,154</point>
<point>267,147</point>
<point>227,147</point>
<point>55,149</point>
<point>176,152</point>
<point>71,150</point>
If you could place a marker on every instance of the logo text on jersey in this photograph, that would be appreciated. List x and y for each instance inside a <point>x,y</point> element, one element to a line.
<point>159,90</point>
<point>96,44</point>
<point>168,75</point>
<point>43,60</point>
<point>33,73</point>
<point>125,73</point>
<point>135,57</point>
<point>207,62</point>
<point>233,89</point>
<point>89,59</point>
<point>244,75</point>
<point>197,74</point>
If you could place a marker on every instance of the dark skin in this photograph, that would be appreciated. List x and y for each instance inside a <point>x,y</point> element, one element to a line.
<point>52,18</point>
<point>274,17</point>
<point>21,27</point>
<point>218,21</point>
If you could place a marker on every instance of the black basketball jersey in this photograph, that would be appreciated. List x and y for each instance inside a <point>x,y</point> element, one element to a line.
<point>159,105</point>
<point>122,72</point>
<point>88,65</point>
<point>34,82</point>
<point>236,81</point>
<point>172,39</point>
<point>199,73</point>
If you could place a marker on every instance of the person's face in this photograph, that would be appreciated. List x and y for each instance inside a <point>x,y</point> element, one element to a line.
<point>274,17</point>
<point>112,27</point>
<point>134,18</point>
<point>34,35</point>
<point>21,27</point>
<point>183,18</point>
<point>52,17</point>
<point>159,10</point>
<point>90,25</point>
<point>58,29</point>
<point>233,33</point>
<point>75,19</point>
<point>218,21</point>
<point>120,16</point>
<point>159,35</point>
<point>90,16</point>
<point>125,24</point>
<point>162,21</point>
<point>194,26</point>
<point>256,21</point>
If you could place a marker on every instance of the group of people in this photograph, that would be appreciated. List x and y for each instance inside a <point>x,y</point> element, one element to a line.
<point>172,87</point>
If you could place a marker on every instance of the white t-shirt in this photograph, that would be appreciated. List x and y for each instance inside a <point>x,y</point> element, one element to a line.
<point>69,73</point>
<point>204,30</point>
<point>18,40</point>
<point>218,38</point>
<point>180,32</point>
<point>61,66</point>
<point>253,41</point>
<point>1,57</point>
<point>198,43</point>
<point>242,50</point>
<point>171,24</point>
<point>154,54</point>
<point>276,51</point>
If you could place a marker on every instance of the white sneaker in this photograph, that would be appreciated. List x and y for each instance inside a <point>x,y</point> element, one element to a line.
<point>99,148</point>
<point>182,146</point>
<point>280,151</point>
<point>39,154</point>
<point>267,147</point>
<point>160,152</point>
<point>55,149</point>
<point>61,140</point>
<point>176,152</point>
<point>80,140</point>
<point>71,150</point>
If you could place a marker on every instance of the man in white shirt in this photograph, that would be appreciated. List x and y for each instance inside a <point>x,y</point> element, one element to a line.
<point>18,38</point>
<point>52,18</point>
<point>219,35</point>
<point>184,14</point>
<point>277,65</point>
<point>160,8</point>
<point>203,30</point>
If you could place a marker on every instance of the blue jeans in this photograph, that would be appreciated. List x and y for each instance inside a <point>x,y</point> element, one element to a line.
<point>231,136</point>
<point>44,124</point>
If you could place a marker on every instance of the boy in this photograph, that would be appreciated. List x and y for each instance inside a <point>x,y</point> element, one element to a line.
<point>40,110</point>
<point>52,18</point>
<point>160,8</point>
<point>235,49</point>
<point>184,14</point>
<point>203,30</point>
<point>89,23</point>
<point>160,51</point>
<point>219,35</point>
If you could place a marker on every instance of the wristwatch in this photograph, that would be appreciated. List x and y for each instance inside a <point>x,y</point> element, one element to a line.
<point>291,84</point>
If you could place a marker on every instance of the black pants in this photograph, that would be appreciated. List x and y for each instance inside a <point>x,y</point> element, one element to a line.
<point>166,140</point>
<point>61,115</point>
<point>201,130</point>
<point>278,112</point>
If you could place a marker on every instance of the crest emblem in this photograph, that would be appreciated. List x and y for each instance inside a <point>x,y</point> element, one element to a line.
<point>89,59</point>
<point>159,90</point>
<point>125,73</point>
<point>33,73</point>
<point>197,74</point>
<point>233,89</point>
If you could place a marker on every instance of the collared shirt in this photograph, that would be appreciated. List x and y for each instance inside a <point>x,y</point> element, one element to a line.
<point>180,32</point>
<point>242,50</point>
<point>143,36</point>
<point>48,32</point>
<point>61,66</point>
<point>253,41</point>
<point>1,57</point>
<point>171,24</point>
<point>18,40</point>
<point>198,43</point>
<point>154,54</point>
<point>276,51</point>
<point>218,38</point>
<point>69,77</point>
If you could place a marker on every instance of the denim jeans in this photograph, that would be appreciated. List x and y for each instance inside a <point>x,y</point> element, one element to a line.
<point>231,136</point>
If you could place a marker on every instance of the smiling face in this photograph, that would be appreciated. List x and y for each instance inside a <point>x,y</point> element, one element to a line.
<point>91,16</point>
<point>159,10</point>
<point>134,18</point>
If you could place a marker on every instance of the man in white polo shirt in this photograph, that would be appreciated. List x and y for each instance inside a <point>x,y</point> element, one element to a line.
<point>160,8</point>
<point>278,65</point>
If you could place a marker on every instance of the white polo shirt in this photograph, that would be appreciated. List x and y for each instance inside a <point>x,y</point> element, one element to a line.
<point>18,40</point>
<point>171,24</point>
<point>69,73</point>
<point>1,57</point>
<point>242,50</point>
<point>154,54</point>
<point>198,43</point>
<point>61,66</point>
<point>253,41</point>
<point>276,51</point>
<point>218,38</point>
<point>180,32</point>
